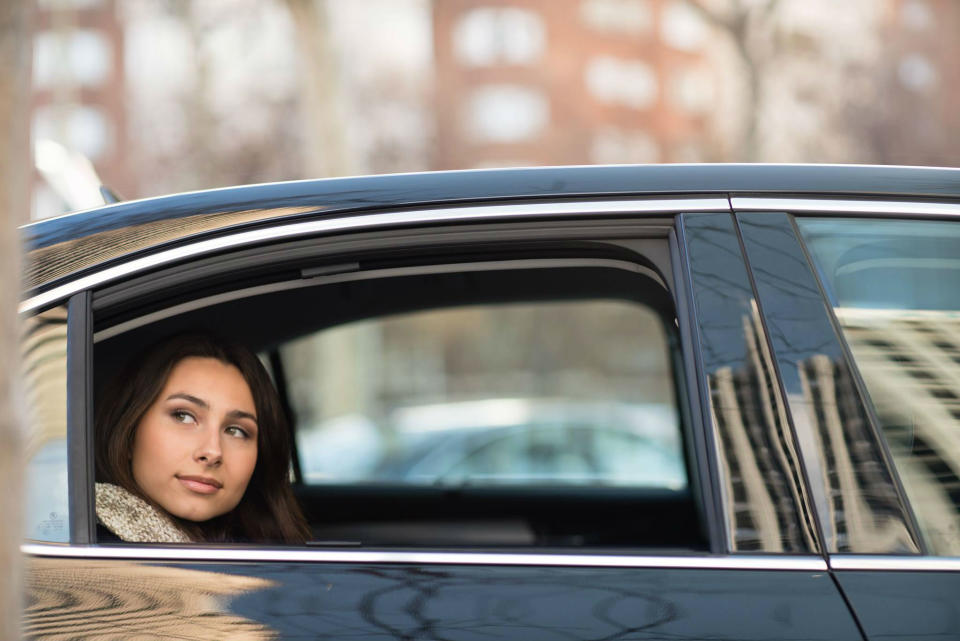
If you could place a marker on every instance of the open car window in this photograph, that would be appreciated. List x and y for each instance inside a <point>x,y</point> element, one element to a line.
<point>532,402</point>
<point>552,393</point>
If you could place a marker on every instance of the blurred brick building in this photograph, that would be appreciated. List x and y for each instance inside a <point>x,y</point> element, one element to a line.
<point>78,101</point>
<point>538,82</point>
<point>917,116</point>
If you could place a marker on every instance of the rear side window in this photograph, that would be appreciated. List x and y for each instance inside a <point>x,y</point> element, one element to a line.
<point>528,399</point>
<point>571,393</point>
<point>531,407</point>
<point>44,363</point>
<point>895,289</point>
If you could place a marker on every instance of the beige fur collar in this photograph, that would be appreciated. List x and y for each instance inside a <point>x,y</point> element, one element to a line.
<point>133,519</point>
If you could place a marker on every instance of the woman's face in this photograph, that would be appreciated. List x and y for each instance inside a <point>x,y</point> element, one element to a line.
<point>195,449</point>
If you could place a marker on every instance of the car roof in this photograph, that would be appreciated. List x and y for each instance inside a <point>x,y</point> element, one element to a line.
<point>60,247</point>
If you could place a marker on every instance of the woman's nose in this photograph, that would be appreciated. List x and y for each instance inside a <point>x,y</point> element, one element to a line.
<point>208,451</point>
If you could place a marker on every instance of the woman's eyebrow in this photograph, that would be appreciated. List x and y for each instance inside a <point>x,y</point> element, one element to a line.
<point>202,403</point>
<point>193,399</point>
<point>242,414</point>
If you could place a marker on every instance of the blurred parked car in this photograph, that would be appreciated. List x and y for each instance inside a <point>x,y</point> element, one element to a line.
<point>503,441</point>
<point>675,402</point>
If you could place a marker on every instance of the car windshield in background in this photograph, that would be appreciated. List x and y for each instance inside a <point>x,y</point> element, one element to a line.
<point>484,395</point>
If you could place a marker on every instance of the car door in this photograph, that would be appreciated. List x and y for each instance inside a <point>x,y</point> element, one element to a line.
<point>863,296</point>
<point>757,573</point>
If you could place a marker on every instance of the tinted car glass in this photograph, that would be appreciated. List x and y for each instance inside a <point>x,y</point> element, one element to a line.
<point>572,392</point>
<point>44,363</point>
<point>895,289</point>
<point>764,506</point>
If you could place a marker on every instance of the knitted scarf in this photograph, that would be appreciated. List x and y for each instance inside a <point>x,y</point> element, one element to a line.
<point>133,519</point>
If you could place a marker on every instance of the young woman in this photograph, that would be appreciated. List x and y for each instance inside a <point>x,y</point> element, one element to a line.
<point>192,445</point>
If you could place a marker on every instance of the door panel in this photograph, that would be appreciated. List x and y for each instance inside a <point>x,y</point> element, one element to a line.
<point>69,598</point>
<point>903,605</point>
<point>892,287</point>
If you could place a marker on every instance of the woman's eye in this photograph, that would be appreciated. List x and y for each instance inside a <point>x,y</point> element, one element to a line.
<point>182,416</point>
<point>239,432</point>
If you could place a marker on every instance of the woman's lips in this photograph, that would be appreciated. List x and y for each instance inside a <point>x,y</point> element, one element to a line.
<point>199,484</point>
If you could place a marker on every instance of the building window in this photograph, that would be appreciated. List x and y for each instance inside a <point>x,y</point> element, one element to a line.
<point>507,113</point>
<point>682,27</point>
<point>60,5</point>
<point>490,36</point>
<point>916,15</point>
<point>917,73</point>
<point>691,89</point>
<point>624,16</point>
<point>612,146</point>
<point>80,57</point>
<point>81,128</point>
<point>627,82</point>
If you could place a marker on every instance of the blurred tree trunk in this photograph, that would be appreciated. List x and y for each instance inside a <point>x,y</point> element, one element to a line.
<point>15,173</point>
<point>740,22</point>
<point>324,141</point>
<point>200,121</point>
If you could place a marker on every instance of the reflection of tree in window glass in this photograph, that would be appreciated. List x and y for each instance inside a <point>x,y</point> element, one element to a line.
<point>565,392</point>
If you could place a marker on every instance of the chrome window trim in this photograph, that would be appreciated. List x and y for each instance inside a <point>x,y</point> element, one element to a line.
<point>218,554</point>
<point>368,221</point>
<point>841,206</point>
<point>494,265</point>
<point>895,563</point>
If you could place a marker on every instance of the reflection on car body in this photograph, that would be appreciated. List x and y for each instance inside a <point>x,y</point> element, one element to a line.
<point>611,402</point>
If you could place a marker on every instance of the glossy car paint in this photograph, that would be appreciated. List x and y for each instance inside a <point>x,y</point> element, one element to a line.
<point>375,192</point>
<point>902,598</point>
<point>904,605</point>
<point>906,599</point>
<point>61,247</point>
<point>134,262</point>
<point>290,600</point>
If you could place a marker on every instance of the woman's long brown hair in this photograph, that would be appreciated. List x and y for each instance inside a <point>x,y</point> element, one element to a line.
<point>268,511</point>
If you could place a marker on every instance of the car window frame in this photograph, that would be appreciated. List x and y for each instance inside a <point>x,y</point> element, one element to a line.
<point>80,461</point>
<point>276,362</point>
<point>82,351</point>
<point>639,239</point>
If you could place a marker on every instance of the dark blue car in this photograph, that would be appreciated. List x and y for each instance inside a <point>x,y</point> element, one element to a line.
<point>662,402</point>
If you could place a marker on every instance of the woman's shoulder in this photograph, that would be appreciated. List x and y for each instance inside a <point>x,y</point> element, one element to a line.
<point>129,518</point>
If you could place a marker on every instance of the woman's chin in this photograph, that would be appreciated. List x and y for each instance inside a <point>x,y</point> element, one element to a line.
<point>195,513</point>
